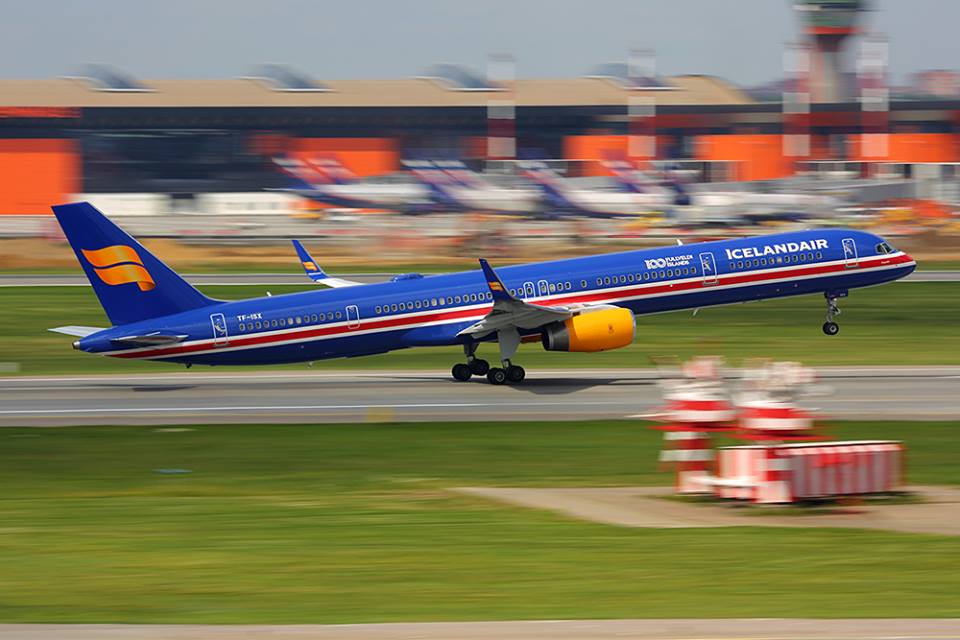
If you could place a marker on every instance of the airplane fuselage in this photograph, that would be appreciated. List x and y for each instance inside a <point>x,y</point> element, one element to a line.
<point>432,310</point>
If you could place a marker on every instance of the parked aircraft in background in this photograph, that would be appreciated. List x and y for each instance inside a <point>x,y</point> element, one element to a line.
<point>454,185</point>
<point>748,204</point>
<point>310,183</point>
<point>584,304</point>
<point>562,197</point>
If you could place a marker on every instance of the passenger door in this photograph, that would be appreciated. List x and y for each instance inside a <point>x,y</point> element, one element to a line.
<point>544,288</point>
<point>353,316</point>
<point>219,325</point>
<point>708,267</point>
<point>850,257</point>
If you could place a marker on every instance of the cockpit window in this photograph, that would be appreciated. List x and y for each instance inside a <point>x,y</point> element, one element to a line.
<point>884,248</point>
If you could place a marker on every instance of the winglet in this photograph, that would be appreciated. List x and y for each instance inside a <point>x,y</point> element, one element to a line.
<point>497,289</point>
<point>314,272</point>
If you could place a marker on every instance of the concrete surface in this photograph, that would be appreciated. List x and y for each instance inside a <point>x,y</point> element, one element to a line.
<point>884,393</point>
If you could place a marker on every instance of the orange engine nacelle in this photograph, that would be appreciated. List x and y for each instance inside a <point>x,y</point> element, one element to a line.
<point>592,331</point>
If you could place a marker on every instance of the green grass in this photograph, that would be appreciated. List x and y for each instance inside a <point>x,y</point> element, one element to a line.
<point>904,323</point>
<point>291,267</point>
<point>353,523</point>
<point>938,265</point>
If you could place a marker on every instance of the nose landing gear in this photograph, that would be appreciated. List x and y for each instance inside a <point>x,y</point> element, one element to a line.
<point>830,327</point>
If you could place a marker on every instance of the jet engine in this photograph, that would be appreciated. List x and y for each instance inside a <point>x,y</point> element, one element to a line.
<point>600,330</point>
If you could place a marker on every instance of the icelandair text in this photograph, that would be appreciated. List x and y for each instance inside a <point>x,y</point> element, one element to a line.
<point>773,249</point>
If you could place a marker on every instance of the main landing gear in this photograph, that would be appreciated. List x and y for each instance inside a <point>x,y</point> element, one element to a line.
<point>830,327</point>
<point>473,367</point>
<point>507,374</point>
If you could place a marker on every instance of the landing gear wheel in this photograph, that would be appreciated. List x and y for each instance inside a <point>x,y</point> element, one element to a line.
<point>479,367</point>
<point>516,374</point>
<point>830,327</point>
<point>461,372</point>
<point>497,375</point>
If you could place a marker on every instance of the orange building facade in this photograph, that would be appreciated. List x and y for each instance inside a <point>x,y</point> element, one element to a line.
<point>37,173</point>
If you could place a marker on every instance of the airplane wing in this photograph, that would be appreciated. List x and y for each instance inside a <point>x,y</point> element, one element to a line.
<point>76,330</point>
<point>315,273</point>
<point>509,313</point>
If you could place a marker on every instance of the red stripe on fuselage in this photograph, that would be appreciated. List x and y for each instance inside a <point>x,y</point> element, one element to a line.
<point>607,295</point>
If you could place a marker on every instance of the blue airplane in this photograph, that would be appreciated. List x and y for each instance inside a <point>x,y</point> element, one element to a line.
<point>583,304</point>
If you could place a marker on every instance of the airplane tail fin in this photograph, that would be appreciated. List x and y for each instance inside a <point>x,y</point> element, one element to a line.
<point>460,173</point>
<point>435,179</point>
<point>624,173</point>
<point>332,170</point>
<point>131,283</point>
<point>304,177</point>
<point>550,185</point>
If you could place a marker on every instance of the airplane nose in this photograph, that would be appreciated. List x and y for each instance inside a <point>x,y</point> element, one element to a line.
<point>912,264</point>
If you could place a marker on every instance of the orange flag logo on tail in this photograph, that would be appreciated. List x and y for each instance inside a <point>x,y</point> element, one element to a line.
<point>119,264</point>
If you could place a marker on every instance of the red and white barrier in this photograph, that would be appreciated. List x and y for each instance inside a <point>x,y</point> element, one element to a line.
<point>781,473</point>
<point>692,453</point>
<point>696,409</point>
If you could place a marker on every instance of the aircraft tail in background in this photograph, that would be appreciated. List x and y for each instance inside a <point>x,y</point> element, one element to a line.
<point>549,182</point>
<point>440,184</point>
<point>332,170</point>
<point>303,176</point>
<point>461,173</point>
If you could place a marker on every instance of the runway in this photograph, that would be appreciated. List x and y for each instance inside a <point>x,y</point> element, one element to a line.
<point>924,393</point>
<point>274,279</point>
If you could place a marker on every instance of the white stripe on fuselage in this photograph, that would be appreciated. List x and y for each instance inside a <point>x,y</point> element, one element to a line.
<point>610,296</point>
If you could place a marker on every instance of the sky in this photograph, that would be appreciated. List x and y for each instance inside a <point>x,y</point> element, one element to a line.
<point>741,40</point>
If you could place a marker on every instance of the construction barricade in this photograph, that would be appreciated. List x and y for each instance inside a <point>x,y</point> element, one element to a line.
<point>787,460</point>
<point>696,408</point>
<point>781,473</point>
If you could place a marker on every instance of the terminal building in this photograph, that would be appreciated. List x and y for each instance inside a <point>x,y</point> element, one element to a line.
<point>102,131</point>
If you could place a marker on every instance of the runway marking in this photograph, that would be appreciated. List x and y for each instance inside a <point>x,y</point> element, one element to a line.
<point>318,407</point>
<point>932,371</point>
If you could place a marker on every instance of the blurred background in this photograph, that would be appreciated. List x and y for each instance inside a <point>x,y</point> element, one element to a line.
<point>565,128</point>
<point>417,136</point>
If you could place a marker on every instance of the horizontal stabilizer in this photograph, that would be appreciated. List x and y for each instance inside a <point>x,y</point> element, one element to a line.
<point>76,330</point>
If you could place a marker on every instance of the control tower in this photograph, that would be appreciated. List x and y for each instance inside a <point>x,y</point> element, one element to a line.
<point>828,24</point>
